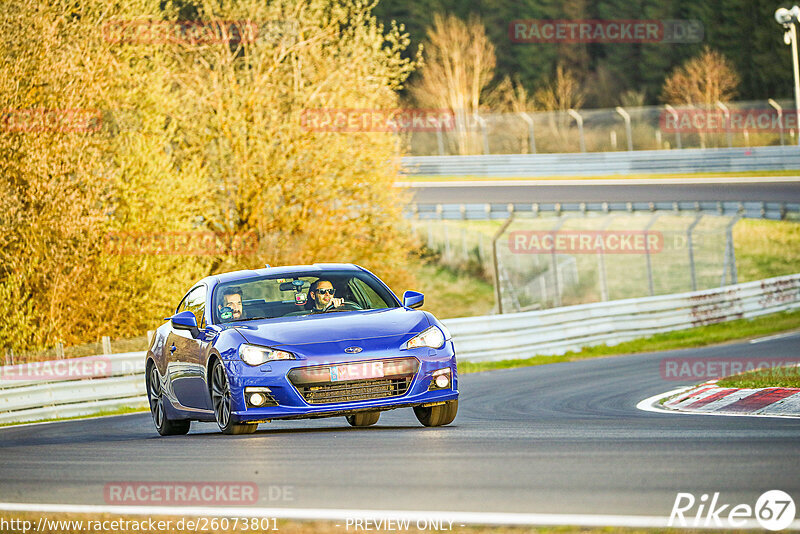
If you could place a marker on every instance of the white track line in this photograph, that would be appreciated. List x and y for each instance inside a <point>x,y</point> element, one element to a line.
<point>489,182</point>
<point>776,336</point>
<point>324,514</point>
<point>78,419</point>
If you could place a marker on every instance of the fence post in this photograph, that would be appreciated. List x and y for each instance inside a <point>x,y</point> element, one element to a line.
<point>496,263</point>
<point>730,253</point>
<point>59,351</point>
<point>575,115</point>
<point>647,252</point>
<point>727,113</point>
<point>779,109</point>
<point>601,260</point>
<point>9,357</point>
<point>674,114</point>
<point>627,118</point>
<point>106,341</point>
<point>554,265</point>
<point>531,139</point>
<point>691,250</point>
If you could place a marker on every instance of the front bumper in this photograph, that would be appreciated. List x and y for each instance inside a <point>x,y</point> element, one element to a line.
<point>292,405</point>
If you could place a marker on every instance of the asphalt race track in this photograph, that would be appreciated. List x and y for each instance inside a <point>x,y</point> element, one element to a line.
<point>597,191</point>
<point>560,438</point>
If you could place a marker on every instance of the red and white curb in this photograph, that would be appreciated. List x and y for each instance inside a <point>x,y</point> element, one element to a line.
<point>710,399</point>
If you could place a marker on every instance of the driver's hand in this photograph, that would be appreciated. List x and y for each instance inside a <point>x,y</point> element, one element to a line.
<point>337,302</point>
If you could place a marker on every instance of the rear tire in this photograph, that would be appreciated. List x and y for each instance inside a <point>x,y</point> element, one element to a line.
<point>363,418</point>
<point>155,394</point>
<point>221,398</point>
<point>442,414</point>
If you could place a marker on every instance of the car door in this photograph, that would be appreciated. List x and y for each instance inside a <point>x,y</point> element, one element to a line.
<point>185,366</point>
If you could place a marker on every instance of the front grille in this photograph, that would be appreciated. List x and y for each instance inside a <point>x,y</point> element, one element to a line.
<point>317,385</point>
<point>335,392</point>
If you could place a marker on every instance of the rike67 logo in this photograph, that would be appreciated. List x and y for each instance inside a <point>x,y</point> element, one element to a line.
<point>773,510</point>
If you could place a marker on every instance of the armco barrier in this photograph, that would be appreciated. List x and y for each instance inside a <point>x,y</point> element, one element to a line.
<point>608,163</point>
<point>497,337</point>
<point>32,394</point>
<point>559,330</point>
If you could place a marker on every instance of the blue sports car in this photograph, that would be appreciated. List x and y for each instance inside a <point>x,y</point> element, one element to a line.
<point>297,342</point>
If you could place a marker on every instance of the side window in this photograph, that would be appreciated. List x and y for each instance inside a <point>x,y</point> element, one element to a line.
<point>182,306</point>
<point>369,298</point>
<point>195,302</point>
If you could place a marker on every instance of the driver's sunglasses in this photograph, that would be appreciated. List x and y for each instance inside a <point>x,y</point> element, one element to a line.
<point>326,291</point>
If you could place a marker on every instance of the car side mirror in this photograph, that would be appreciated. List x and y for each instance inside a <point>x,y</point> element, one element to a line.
<point>413,299</point>
<point>184,320</point>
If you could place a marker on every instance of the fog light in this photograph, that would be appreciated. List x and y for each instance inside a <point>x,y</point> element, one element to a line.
<point>440,379</point>
<point>259,396</point>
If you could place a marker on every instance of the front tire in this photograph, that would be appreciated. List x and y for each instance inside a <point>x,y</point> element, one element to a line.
<point>363,418</point>
<point>221,399</point>
<point>155,394</point>
<point>442,414</point>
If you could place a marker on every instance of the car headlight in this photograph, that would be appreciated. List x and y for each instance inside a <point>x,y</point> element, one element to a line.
<point>432,337</point>
<point>255,355</point>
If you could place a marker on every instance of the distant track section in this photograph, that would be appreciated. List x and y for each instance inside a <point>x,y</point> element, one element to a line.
<point>608,163</point>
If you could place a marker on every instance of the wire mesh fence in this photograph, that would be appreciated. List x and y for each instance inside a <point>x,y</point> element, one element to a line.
<point>734,124</point>
<point>550,261</point>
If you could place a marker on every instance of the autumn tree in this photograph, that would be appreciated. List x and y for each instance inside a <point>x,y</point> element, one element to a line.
<point>459,64</point>
<point>703,80</point>
<point>189,136</point>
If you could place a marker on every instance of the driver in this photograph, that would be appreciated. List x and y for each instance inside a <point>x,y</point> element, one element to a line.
<point>232,298</point>
<point>321,293</point>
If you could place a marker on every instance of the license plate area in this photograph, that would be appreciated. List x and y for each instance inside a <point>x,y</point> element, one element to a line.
<point>356,371</point>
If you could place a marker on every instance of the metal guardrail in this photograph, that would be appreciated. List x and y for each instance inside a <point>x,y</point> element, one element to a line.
<point>749,210</point>
<point>559,330</point>
<point>608,163</point>
<point>55,389</point>
<point>498,337</point>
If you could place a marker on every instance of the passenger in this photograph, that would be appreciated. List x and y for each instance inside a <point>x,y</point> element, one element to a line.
<point>232,298</point>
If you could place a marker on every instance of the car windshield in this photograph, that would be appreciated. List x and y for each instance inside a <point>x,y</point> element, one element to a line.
<point>301,294</point>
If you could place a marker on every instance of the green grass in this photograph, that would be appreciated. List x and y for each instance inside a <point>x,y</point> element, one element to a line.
<point>681,339</point>
<point>449,293</point>
<point>118,411</point>
<point>436,178</point>
<point>766,248</point>
<point>778,377</point>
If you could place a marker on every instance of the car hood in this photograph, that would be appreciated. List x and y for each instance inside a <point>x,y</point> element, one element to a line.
<point>335,327</point>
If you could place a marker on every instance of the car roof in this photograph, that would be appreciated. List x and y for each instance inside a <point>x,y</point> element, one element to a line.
<point>277,271</point>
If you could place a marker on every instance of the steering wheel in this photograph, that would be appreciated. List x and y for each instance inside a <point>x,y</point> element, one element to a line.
<point>347,305</point>
<point>351,305</point>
